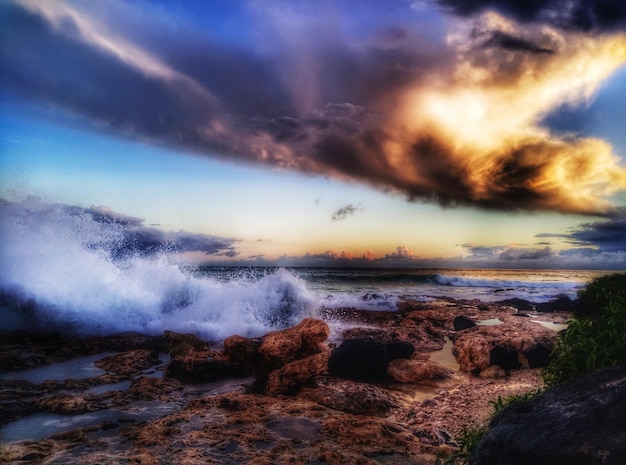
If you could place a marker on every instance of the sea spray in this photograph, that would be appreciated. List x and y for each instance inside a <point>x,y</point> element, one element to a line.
<point>63,270</point>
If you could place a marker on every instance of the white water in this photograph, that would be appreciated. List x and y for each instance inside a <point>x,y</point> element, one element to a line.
<point>60,261</point>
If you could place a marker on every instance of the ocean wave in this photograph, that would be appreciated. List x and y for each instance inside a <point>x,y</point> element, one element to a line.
<point>462,281</point>
<point>59,272</point>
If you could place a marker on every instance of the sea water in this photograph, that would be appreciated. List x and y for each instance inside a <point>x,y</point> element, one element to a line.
<point>62,271</point>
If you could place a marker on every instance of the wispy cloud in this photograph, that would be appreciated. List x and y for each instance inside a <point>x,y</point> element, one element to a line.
<point>343,212</point>
<point>452,116</point>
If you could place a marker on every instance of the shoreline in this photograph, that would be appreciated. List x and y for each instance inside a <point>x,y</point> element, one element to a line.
<point>325,418</point>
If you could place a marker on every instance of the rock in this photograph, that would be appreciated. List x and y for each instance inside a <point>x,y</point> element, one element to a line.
<point>462,322</point>
<point>183,344</point>
<point>538,356</point>
<point>561,303</point>
<point>201,367</point>
<point>242,351</point>
<point>519,304</point>
<point>129,363</point>
<point>293,374</point>
<point>355,398</point>
<point>505,357</point>
<point>580,422</point>
<point>473,347</point>
<point>422,336</point>
<point>280,347</point>
<point>359,359</point>
<point>400,349</point>
<point>282,360</point>
<point>417,371</point>
<point>493,372</point>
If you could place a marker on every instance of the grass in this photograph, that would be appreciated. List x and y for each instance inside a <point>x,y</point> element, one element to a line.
<point>596,338</point>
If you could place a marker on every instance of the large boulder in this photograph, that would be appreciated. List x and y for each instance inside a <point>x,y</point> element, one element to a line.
<point>580,422</point>
<point>462,322</point>
<point>359,359</point>
<point>504,345</point>
<point>282,360</point>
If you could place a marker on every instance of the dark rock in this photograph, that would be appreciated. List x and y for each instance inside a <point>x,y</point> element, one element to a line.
<point>505,357</point>
<point>580,422</point>
<point>462,322</point>
<point>538,356</point>
<point>359,359</point>
<point>202,367</point>
<point>519,304</point>
<point>396,350</point>
<point>559,304</point>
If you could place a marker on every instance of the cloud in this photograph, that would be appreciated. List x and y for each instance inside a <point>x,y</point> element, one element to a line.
<point>604,236</point>
<point>570,14</point>
<point>344,212</point>
<point>119,235</point>
<point>450,116</point>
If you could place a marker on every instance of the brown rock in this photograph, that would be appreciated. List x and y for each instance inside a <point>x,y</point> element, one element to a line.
<point>199,367</point>
<point>281,347</point>
<point>472,347</point>
<point>353,397</point>
<point>129,363</point>
<point>423,337</point>
<point>417,371</point>
<point>183,344</point>
<point>293,374</point>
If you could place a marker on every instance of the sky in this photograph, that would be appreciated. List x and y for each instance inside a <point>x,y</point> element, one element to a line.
<point>425,133</point>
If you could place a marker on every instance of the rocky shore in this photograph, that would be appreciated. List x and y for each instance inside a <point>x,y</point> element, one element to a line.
<point>349,386</point>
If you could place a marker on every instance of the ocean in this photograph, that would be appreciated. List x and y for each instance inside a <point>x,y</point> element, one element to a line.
<point>61,270</point>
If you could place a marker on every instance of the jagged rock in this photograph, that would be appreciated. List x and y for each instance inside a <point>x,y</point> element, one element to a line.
<point>400,349</point>
<point>462,322</point>
<point>359,359</point>
<point>472,347</point>
<point>417,371</point>
<point>129,363</point>
<point>355,398</point>
<point>280,347</point>
<point>580,422</point>
<point>422,336</point>
<point>183,344</point>
<point>282,360</point>
<point>242,351</point>
<point>538,356</point>
<point>505,357</point>
<point>293,374</point>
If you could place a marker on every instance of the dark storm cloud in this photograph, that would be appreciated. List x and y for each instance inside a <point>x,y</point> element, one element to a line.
<point>606,235</point>
<point>143,240</point>
<point>343,212</point>
<point>585,15</point>
<point>434,119</point>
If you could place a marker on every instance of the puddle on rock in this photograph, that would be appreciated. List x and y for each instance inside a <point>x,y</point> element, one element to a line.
<point>551,325</point>
<point>444,356</point>
<point>295,428</point>
<point>104,388</point>
<point>42,425</point>
<point>490,322</point>
<point>76,368</point>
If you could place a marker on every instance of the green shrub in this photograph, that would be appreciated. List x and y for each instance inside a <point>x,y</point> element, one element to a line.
<point>597,338</point>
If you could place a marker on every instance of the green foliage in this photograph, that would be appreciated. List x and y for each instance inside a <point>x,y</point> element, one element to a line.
<point>597,338</point>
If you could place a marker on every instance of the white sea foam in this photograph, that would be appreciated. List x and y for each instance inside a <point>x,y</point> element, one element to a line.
<point>57,263</point>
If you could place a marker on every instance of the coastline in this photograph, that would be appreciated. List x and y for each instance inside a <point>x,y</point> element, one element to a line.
<point>133,411</point>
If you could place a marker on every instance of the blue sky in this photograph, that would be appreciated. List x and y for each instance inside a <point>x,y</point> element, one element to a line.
<point>422,133</point>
